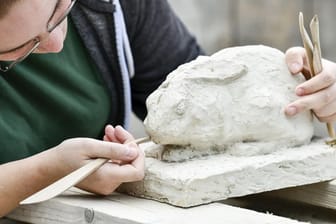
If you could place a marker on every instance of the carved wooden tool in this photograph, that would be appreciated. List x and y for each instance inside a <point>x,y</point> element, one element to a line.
<point>70,180</point>
<point>314,58</point>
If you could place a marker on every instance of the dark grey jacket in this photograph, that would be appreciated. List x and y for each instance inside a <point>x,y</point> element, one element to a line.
<point>158,40</point>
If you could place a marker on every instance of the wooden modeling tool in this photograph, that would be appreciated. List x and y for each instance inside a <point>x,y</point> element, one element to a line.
<point>70,180</point>
<point>314,58</point>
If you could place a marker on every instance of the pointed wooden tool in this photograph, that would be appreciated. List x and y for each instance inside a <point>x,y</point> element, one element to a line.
<point>70,180</point>
<point>314,58</point>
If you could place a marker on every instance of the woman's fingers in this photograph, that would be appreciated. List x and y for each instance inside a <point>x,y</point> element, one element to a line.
<point>122,152</point>
<point>110,134</point>
<point>111,175</point>
<point>117,134</point>
<point>319,82</point>
<point>297,61</point>
<point>91,148</point>
<point>318,93</point>
<point>127,172</point>
<point>322,102</point>
<point>122,135</point>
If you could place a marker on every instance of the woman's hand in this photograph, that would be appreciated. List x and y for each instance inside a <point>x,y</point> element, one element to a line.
<point>318,93</point>
<point>126,165</point>
<point>53,164</point>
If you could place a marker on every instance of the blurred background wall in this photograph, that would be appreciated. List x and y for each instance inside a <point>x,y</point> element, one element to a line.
<point>222,23</point>
<point>219,24</point>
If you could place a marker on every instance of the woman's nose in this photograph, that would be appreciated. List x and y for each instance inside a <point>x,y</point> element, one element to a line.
<point>52,42</point>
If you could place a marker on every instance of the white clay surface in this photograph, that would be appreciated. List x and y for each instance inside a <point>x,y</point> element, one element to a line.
<point>218,177</point>
<point>230,104</point>
<point>235,96</point>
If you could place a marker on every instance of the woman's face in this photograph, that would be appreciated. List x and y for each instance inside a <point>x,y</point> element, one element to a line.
<point>29,19</point>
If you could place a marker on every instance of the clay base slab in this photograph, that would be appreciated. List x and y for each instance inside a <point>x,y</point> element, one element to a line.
<point>219,177</point>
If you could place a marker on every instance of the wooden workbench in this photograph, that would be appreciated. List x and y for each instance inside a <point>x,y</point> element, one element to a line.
<point>125,209</point>
<point>76,206</point>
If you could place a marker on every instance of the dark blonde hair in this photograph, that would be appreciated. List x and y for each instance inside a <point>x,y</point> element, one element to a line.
<point>5,6</point>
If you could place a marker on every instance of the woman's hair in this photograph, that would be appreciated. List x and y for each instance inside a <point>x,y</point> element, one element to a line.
<point>5,6</point>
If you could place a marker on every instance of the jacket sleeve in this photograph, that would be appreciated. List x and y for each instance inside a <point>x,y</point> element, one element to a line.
<point>159,42</point>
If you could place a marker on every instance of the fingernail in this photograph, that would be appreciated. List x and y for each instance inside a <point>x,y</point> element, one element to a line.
<point>131,152</point>
<point>291,111</point>
<point>109,129</point>
<point>120,128</point>
<point>295,67</point>
<point>300,92</point>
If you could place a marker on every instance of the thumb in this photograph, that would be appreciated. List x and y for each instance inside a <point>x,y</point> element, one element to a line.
<point>295,57</point>
<point>111,150</point>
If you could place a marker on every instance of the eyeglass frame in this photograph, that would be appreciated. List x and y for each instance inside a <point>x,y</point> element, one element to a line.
<point>37,40</point>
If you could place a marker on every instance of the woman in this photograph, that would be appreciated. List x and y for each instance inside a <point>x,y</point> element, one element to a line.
<point>54,107</point>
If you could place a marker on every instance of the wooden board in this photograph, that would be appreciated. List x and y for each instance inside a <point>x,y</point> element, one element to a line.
<point>76,207</point>
<point>321,194</point>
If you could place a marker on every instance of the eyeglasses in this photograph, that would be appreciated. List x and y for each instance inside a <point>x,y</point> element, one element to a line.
<point>34,43</point>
